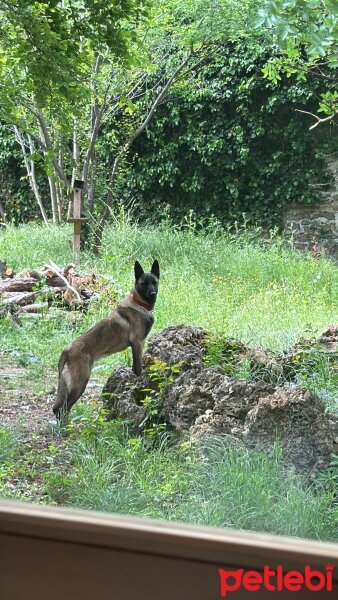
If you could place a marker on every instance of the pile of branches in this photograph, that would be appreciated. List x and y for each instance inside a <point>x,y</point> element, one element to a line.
<point>35,291</point>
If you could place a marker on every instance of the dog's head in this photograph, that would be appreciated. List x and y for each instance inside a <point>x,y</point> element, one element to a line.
<point>146,284</point>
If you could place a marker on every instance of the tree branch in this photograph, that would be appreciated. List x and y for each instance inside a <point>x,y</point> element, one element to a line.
<point>318,119</point>
<point>129,143</point>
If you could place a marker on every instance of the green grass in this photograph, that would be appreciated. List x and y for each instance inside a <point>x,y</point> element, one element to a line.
<point>229,487</point>
<point>263,294</point>
<point>9,453</point>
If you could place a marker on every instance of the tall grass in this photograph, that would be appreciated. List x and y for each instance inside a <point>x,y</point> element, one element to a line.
<point>214,484</point>
<point>9,453</point>
<point>263,294</point>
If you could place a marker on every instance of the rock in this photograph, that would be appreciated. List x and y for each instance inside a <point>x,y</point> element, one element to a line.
<point>296,420</point>
<point>208,401</point>
<point>122,396</point>
<point>195,401</point>
<point>177,344</point>
<point>192,394</point>
<point>328,340</point>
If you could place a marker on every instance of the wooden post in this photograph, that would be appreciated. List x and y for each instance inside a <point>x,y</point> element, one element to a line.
<point>77,219</point>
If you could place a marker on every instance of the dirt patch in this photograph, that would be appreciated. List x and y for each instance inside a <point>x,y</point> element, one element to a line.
<point>22,407</point>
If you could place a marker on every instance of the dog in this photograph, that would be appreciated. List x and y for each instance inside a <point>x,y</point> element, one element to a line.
<point>128,325</point>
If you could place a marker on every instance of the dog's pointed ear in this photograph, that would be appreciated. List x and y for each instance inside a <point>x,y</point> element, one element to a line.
<point>155,269</point>
<point>138,270</point>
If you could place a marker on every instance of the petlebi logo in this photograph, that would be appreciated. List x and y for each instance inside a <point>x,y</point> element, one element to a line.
<point>275,580</point>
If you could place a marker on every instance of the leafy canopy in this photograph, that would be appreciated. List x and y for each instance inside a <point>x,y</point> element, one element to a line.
<point>51,43</point>
<point>307,33</point>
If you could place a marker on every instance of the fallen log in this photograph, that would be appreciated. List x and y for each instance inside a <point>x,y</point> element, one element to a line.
<point>38,307</point>
<point>19,298</point>
<point>18,285</point>
<point>24,298</point>
<point>5,272</point>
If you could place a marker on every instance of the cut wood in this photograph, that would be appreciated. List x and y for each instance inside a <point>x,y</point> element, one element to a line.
<point>5,272</point>
<point>71,288</point>
<point>29,273</point>
<point>38,307</point>
<point>18,285</point>
<point>56,281</point>
<point>75,279</point>
<point>24,298</point>
<point>63,287</point>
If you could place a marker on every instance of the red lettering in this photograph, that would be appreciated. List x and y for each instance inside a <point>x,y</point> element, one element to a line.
<point>280,576</point>
<point>293,581</point>
<point>225,585</point>
<point>314,580</point>
<point>329,572</point>
<point>252,581</point>
<point>309,575</point>
<point>267,573</point>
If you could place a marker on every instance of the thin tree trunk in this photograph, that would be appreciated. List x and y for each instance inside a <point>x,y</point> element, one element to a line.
<point>96,114</point>
<point>59,200</point>
<point>59,188</point>
<point>75,156</point>
<point>52,188</point>
<point>2,212</point>
<point>91,190</point>
<point>48,146</point>
<point>30,168</point>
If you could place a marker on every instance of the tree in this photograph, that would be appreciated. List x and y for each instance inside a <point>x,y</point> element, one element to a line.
<point>62,123</point>
<point>182,37</point>
<point>49,52</point>
<point>307,34</point>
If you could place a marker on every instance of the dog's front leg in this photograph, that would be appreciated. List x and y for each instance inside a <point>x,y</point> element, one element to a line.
<point>137,349</point>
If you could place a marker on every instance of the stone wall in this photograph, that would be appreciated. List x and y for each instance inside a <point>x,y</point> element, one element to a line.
<point>315,227</point>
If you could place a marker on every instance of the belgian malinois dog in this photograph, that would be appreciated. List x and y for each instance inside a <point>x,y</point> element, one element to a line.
<point>128,325</point>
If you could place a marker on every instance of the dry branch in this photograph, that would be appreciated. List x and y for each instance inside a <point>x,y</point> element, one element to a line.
<point>66,282</point>
<point>319,120</point>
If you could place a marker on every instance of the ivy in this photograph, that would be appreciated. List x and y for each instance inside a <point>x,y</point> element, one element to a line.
<point>228,141</point>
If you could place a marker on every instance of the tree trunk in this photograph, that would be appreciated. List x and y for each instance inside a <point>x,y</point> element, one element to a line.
<point>2,212</point>
<point>30,168</point>
<point>91,190</point>
<point>55,208</point>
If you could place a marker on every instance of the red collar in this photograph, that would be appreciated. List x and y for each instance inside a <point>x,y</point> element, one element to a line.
<point>137,300</point>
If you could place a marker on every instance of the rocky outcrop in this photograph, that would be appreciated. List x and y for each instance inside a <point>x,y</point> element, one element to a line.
<point>195,400</point>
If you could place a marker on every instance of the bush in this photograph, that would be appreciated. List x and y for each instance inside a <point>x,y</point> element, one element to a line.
<point>229,142</point>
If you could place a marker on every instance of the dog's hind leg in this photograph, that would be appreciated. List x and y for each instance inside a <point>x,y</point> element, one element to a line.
<point>73,379</point>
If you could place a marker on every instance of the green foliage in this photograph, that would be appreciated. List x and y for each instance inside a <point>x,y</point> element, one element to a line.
<point>160,375</point>
<point>15,195</point>
<point>53,42</point>
<point>212,484</point>
<point>228,142</point>
<point>307,33</point>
